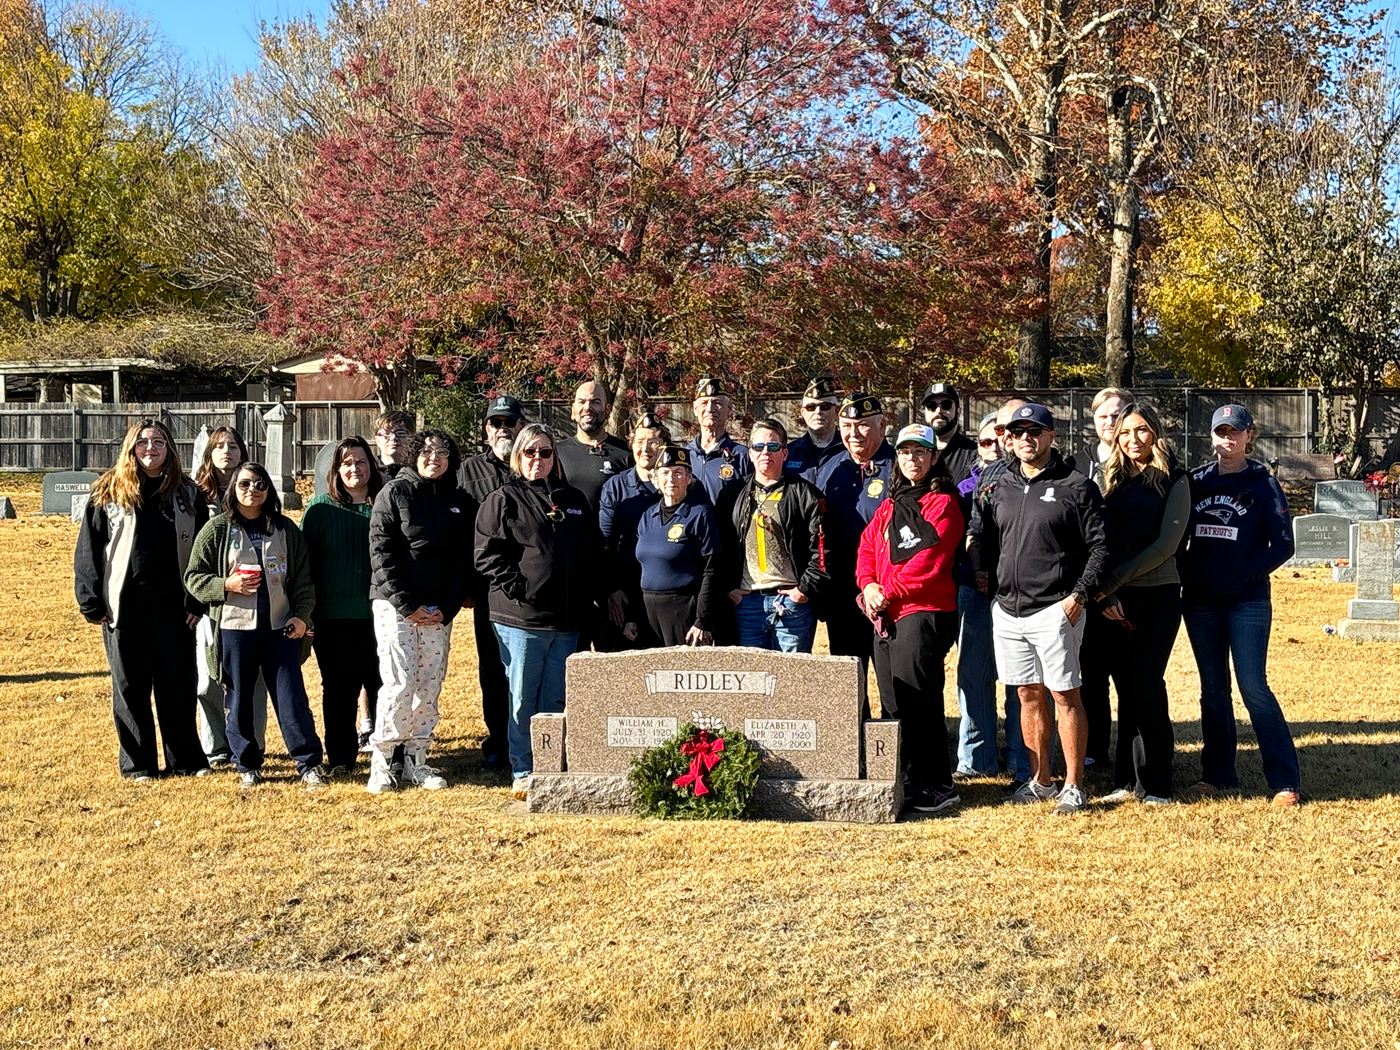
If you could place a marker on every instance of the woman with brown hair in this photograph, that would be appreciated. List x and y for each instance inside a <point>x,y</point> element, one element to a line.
<point>336,527</point>
<point>221,458</point>
<point>133,546</point>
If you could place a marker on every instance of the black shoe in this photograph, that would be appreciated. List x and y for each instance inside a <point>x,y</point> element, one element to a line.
<point>934,800</point>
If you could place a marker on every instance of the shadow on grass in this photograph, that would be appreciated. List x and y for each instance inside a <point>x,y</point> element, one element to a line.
<point>50,676</point>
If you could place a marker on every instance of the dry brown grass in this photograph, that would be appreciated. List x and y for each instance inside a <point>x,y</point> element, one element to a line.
<point>188,914</point>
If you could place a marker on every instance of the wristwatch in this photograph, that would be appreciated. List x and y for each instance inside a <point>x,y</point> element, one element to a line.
<point>1080,598</point>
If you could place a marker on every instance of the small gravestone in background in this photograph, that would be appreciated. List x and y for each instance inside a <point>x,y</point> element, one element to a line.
<point>280,453</point>
<point>323,465</point>
<point>201,442</point>
<point>1350,499</point>
<point>63,490</point>
<point>821,759</point>
<point>1320,539</point>
<point>1373,615</point>
<point>7,509</point>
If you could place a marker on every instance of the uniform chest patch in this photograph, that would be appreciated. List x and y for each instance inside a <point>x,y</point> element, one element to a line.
<point>875,488</point>
<point>727,471</point>
<point>675,532</point>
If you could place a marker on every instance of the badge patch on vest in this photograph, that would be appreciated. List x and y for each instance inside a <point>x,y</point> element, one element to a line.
<point>875,488</point>
<point>726,472</point>
<point>675,532</point>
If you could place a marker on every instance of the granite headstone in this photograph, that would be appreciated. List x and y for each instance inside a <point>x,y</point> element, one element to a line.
<point>1321,538</point>
<point>1349,499</point>
<point>7,509</point>
<point>65,490</point>
<point>1374,615</point>
<point>323,464</point>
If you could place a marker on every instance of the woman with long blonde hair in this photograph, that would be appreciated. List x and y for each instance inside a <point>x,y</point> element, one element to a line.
<point>128,569</point>
<point>1147,504</point>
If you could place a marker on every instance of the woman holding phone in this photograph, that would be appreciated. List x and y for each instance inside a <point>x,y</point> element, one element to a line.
<point>250,565</point>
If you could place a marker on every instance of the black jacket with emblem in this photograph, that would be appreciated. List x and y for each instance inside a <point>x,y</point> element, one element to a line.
<point>1042,539</point>
<point>538,545</point>
<point>419,534</point>
<point>801,519</point>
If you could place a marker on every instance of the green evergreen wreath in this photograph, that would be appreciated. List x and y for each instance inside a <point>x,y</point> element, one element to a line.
<point>664,784</point>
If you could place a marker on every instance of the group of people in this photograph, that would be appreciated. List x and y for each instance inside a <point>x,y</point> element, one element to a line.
<point>1053,571</point>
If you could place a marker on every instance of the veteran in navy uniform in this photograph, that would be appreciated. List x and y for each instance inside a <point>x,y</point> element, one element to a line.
<point>822,441</point>
<point>720,463</point>
<point>678,550</point>
<point>624,499</point>
<point>853,484</point>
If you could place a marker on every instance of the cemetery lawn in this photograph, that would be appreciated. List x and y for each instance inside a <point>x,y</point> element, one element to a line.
<point>190,914</point>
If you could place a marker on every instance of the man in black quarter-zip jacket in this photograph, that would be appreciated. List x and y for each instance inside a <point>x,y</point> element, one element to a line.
<point>1042,541</point>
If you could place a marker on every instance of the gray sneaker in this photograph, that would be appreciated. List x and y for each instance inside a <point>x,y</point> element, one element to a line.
<point>420,774</point>
<point>1032,791</point>
<point>1072,801</point>
<point>314,778</point>
<point>250,779</point>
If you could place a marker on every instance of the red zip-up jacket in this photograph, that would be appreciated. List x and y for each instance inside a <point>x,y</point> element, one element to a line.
<point>926,582</point>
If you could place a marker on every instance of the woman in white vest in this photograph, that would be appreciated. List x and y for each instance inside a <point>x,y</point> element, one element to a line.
<point>133,546</point>
<point>250,565</point>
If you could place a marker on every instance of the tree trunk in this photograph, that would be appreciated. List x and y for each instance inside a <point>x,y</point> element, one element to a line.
<point>1123,199</point>
<point>1033,345</point>
<point>392,384</point>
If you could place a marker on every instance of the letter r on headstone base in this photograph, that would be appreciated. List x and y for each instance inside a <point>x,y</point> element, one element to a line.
<point>547,741</point>
<point>882,750</point>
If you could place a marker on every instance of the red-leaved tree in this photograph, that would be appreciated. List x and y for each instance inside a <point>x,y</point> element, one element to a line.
<point>680,187</point>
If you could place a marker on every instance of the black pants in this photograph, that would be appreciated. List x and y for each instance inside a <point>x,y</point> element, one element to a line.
<point>153,652</point>
<point>242,655</point>
<point>850,633</point>
<point>1100,637</point>
<point>1138,663</point>
<point>347,654</point>
<point>909,668</point>
<point>669,615</point>
<point>491,673</point>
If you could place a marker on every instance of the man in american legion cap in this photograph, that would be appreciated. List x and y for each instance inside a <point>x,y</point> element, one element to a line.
<point>822,441</point>
<point>718,460</point>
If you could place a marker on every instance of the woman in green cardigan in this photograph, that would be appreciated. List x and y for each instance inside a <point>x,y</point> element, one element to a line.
<point>336,527</point>
<point>250,566</point>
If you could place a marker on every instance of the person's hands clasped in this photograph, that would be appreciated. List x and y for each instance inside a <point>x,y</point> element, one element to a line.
<point>875,598</point>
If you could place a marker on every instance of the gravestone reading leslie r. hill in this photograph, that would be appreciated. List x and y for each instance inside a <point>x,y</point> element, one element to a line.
<point>820,758</point>
<point>1373,615</point>
<point>1350,499</point>
<point>66,491</point>
<point>1320,539</point>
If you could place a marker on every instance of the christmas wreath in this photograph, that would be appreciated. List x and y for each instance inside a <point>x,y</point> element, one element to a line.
<point>696,775</point>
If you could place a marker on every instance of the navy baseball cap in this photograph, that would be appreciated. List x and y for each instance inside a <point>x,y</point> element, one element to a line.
<point>505,405</point>
<point>1031,415</point>
<point>1236,416</point>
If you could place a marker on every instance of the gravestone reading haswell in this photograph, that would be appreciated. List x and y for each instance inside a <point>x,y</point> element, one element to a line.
<point>820,758</point>
<point>1320,539</point>
<point>1373,615</point>
<point>1349,499</point>
<point>66,492</point>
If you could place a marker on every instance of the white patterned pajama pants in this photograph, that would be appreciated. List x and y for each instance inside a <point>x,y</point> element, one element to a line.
<point>412,666</point>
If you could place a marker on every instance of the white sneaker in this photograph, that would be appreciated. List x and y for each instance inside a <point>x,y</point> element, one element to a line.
<point>1120,795</point>
<point>1155,800</point>
<point>418,773</point>
<point>1071,801</point>
<point>520,788</point>
<point>381,778</point>
<point>1032,791</point>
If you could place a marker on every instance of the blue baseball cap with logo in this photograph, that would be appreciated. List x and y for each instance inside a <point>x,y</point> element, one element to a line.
<point>1031,415</point>
<point>1236,416</point>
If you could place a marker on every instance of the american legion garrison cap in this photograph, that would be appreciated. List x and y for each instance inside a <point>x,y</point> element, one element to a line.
<point>821,388</point>
<point>674,456</point>
<point>710,387</point>
<point>859,405</point>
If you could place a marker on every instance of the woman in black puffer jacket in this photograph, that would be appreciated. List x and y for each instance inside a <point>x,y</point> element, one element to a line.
<point>418,531</point>
<point>538,545</point>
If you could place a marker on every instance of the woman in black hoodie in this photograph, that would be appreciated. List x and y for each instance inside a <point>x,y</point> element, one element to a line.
<point>539,547</point>
<point>418,581</point>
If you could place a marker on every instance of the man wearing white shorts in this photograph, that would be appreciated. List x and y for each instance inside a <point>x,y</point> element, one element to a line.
<point>1043,541</point>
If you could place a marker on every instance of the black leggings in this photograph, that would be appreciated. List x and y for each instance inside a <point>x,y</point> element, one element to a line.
<point>1138,661</point>
<point>909,670</point>
<point>348,657</point>
<point>670,615</point>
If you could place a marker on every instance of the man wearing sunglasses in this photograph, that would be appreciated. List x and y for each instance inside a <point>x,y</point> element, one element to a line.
<point>821,442</point>
<point>590,456</point>
<point>478,477</point>
<point>718,460</point>
<point>955,449</point>
<point>1043,541</point>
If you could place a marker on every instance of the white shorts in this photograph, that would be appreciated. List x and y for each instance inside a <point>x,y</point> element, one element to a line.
<point>1039,649</point>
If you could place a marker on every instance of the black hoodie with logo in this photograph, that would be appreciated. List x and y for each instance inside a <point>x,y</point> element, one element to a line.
<point>1042,539</point>
<point>1239,533</point>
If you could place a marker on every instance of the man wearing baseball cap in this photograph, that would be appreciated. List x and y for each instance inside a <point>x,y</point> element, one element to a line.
<point>719,462</point>
<point>854,484</point>
<point>956,450</point>
<point>1043,540</point>
<point>478,477</point>
<point>821,442</point>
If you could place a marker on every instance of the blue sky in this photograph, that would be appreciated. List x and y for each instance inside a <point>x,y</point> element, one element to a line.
<point>214,32</point>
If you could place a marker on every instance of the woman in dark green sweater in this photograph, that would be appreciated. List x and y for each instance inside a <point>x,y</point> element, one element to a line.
<point>336,527</point>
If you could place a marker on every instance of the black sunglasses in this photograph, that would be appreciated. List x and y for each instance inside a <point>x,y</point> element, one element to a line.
<point>944,404</point>
<point>537,453</point>
<point>257,484</point>
<point>986,442</point>
<point>767,446</point>
<point>1030,432</point>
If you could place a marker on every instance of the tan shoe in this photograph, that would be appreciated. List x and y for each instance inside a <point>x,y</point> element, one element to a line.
<point>1285,799</point>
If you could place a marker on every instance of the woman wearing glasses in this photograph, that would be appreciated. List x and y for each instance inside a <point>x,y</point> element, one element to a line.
<point>540,551</point>
<point>133,546</point>
<point>905,568</point>
<point>418,532</point>
<point>624,499</point>
<point>676,547</point>
<point>251,566</point>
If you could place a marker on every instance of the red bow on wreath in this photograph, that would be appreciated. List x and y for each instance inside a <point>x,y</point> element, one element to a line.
<point>704,751</point>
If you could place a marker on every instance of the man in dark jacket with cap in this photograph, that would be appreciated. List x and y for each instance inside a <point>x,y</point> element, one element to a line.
<point>822,440</point>
<point>956,449</point>
<point>1043,541</point>
<point>720,463</point>
<point>478,477</point>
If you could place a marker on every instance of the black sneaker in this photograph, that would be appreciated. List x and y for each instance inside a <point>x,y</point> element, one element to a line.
<point>934,800</point>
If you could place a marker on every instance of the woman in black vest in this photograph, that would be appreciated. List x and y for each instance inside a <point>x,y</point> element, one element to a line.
<point>1147,504</point>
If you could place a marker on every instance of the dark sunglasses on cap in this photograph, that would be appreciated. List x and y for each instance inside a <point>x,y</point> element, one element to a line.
<point>1030,432</point>
<point>537,453</point>
<point>767,446</point>
<point>256,484</point>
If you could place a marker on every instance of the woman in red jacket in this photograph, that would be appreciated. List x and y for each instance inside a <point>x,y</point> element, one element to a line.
<point>905,572</point>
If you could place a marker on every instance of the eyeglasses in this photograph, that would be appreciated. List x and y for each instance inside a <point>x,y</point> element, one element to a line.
<point>986,442</point>
<point>537,453</point>
<point>500,423</point>
<point>820,406</point>
<point>399,433</point>
<point>435,453</point>
<point>256,484</point>
<point>767,446</point>
<point>913,450</point>
<point>151,443</point>
<point>943,403</point>
<point>1030,432</point>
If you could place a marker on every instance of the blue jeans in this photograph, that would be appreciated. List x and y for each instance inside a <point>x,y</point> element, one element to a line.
<point>772,621</point>
<point>1240,632</point>
<point>534,663</point>
<point>244,656</point>
<point>977,694</point>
